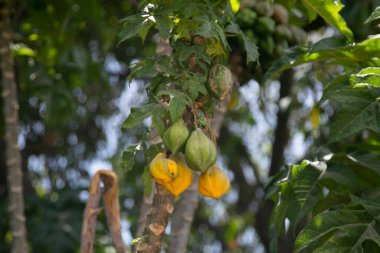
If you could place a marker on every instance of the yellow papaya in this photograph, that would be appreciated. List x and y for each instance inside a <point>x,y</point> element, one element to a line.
<point>163,170</point>
<point>213,183</point>
<point>184,178</point>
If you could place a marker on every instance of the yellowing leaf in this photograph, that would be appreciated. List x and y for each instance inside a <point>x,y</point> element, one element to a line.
<point>235,4</point>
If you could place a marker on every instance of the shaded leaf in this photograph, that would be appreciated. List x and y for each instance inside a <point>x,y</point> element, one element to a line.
<point>360,109</point>
<point>374,15</point>
<point>138,114</point>
<point>338,231</point>
<point>329,49</point>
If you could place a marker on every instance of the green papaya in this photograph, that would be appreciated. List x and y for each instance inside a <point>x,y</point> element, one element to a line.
<point>220,81</point>
<point>176,136</point>
<point>200,151</point>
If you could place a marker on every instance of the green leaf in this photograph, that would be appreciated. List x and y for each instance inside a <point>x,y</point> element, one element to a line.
<point>360,109</point>
<point>138,114</point>
<point>339,231</point>
<point>158,120</point>
<point>369,76</point>
<point>178,103</point>
<point>369,160</point>
<point>163,25</point>
<point>134,25</point>
<point>374,15</point>
<point>299,194</point>
<point>329,11</point>
<point>147,181</point>
<point>128,158</point>
<point>251,48</point>
<point>329,49</point>
<point>195,85</point>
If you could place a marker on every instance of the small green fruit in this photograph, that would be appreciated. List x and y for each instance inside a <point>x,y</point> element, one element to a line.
<point>220,81</point>
<point>200,151</point>
<point>176,136</point>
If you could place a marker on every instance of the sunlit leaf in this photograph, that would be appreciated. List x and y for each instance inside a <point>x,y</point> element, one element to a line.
<point>329,11</point>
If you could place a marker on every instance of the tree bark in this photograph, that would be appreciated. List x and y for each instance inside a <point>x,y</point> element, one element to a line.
<point>278,147</point>
<point>13,156</point>
<point>157,221</point>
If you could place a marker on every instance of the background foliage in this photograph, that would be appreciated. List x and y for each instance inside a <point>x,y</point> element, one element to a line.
<point>322,117</point>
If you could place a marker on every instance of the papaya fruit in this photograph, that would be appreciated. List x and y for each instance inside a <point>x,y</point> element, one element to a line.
<point>220,81</point>
<point>200,151</point>
<point>184,178</point>
<point>176,136</point>
<point>213,183</point>
<point>163,170</point>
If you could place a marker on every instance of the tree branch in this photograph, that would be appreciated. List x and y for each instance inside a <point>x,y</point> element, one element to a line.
<point>13,156</point>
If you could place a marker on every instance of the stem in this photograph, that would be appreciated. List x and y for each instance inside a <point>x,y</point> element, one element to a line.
<point>13,156</point>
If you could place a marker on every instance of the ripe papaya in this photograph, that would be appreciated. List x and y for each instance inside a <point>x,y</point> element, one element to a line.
<point>163,170</point>
<point>200,151</point>
<point>213,183</point>
<point>220,81</point>
<point>176,136</point>
<point>184,178</point>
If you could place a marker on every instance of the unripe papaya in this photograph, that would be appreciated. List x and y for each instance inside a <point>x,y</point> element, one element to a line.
<point>280,14</point>
<point>213,183</point>
<point>163,170</point>
<point>220,81</point>
<point>265,25</point>
<point>176,136</point>
<point>184,178</point>
<point>246,17</point>
<point>200,151</point>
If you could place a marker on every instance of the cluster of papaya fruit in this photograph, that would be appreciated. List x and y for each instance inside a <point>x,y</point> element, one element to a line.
<point>268,25</point>
<point>175,173</point>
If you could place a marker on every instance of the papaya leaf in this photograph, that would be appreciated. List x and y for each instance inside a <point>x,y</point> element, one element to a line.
<point>374,15</point>
<point>249,45</point>
<point>138,114</point>
<point>251,48</point>
<point>158,120</point>
<point>339,231</point>
<point>360,109</point>
<point>132,26</point>
<point>128,158</point>
<point>329,49</point>
<point>329,11</point>
<point>300,193</point>
<point>163,25</point>
<point>369,160</point>
<point>178,103</point>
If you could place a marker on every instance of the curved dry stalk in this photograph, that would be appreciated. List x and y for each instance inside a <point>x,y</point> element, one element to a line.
<point>13,157</point>
<point>112,208</point>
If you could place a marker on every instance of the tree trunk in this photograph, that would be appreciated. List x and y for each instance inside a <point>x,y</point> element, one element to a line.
<point>157,221</point>
<point>13,156</point>
<point>278,147</point>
